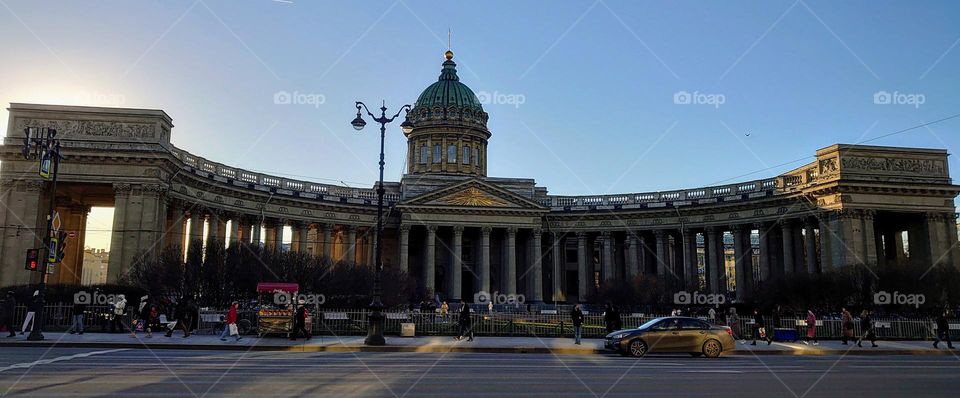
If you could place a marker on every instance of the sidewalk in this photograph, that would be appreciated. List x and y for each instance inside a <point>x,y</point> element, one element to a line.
<point>438,344</point>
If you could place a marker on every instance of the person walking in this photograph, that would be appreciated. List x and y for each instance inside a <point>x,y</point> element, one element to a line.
<point>576,317</point>
<point>712,316</point>
<point>759,329</point>
<point>866,324</point>
<point>811,329</point>
<point>775,324</point>
<point>300,323</point>
<point>733,321</point>
<point>465,322</point>
<point>490,307</point>
<point>846,322</point>
<point>230,323</point>
<point>182,318</point>
<point>32,308</point>
<point>6,313</point>
<point>143,318</point>
<point>608,316</point>
<point>79,309</point>
<point>943,330</point>
<point>445,312</point>
<point>119,308</point>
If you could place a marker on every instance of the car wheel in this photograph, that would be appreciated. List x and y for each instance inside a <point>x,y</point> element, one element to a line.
<point>712,349</point>
<point>638,348</point>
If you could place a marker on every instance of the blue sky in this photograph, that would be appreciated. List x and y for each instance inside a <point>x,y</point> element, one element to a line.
<point>597,80</point>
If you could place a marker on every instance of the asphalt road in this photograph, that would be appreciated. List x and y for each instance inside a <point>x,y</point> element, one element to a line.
<point>57,372</point>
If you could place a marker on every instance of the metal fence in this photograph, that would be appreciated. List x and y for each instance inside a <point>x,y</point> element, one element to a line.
<point>347,322</point>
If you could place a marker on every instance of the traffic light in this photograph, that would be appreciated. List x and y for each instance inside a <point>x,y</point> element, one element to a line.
<point>52,249</point>
<point>62,247</point>
<point>33,260</point>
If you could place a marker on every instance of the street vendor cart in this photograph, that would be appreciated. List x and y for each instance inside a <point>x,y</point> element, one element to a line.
<point>277,306</point>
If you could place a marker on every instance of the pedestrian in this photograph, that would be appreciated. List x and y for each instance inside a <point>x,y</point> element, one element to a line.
<point>712,316</point>
<point>943,330</point>
<point>846,322</point>
<point>119,308</point>
<point>490,307</point>
<point>866,324</point>
<point>445,312</point>
<point>465,322</point>
<point>6,313</point>
<point>143,318</point>
<point>617,319</point>
<point>576,317</point>
<point>608,316</point>
<point>79,309</point>
<point>230,323</point>
<point>776,323</point>
<point>300,323</point>
<point>759,329</point>
<point>811,329</point>
<point>733,321</point>
<point>182,318</point>
<point>32,309</point>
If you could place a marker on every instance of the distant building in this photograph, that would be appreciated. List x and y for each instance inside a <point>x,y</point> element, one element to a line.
<point>95,263</point>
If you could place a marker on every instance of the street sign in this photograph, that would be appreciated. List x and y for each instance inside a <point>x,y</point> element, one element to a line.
<point>56,221</point>
<point>72,234</point>
<point>45,164</point>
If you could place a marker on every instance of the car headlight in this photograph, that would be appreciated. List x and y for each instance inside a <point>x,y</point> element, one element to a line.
<point>619,336</point>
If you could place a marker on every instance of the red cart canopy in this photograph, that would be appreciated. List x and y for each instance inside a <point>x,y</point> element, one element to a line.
<point>274,286</point>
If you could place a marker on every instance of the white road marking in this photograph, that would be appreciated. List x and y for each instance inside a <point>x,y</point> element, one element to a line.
<point>26,365</point>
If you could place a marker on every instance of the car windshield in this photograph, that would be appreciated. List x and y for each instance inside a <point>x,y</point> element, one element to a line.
<point>650,323</point>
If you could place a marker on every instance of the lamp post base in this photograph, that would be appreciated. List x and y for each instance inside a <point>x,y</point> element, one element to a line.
<point>375,328</point>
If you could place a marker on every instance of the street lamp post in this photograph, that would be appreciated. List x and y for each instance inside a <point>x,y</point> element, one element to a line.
<point>41,143</point>
<point>376,318</point>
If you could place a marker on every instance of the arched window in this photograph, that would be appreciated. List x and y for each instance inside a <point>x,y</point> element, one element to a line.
<point>452,153</point>
<point>424,154</point>
<point>466,155</point>
<point>476,156</point>
<point>436,153</point>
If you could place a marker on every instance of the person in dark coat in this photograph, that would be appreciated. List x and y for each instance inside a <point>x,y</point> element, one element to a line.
<point>943,330</point>
<point>300,323</point>
<point>759,329</point>
<point>6,313</point>
<point>79,309</point>
<point>181,313</point>
<point>609,316</point>
<point>846,323</point>
<point>465,322</point>
<point>576,317</point>
<point>866,324</point>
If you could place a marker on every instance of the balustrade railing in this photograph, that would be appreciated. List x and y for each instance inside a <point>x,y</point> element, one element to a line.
<point>724,191</point>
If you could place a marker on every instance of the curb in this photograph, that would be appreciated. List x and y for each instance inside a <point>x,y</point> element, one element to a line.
<point>456,349</point>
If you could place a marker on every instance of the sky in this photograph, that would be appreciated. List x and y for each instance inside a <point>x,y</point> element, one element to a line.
<point>586,97</point>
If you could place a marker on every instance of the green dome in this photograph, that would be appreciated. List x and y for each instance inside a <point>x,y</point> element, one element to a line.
<point>448,91</point>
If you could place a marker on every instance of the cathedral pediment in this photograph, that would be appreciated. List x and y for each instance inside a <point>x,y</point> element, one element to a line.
<point>472,193</point>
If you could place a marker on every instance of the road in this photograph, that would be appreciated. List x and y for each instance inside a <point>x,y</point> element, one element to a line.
<point>62,372</point>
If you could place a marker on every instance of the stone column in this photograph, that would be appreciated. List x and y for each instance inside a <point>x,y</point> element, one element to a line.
<point>764,234</point>
<point>950,222</point>
<point>327,240</point>
<point>606,258</point>
<point>714,260</point>
<point>583,279</point>
<point>456,264</point>
<point>633,267</point>
<point>826,251</point>
<point>278,234</point>
<point>234,228</point>
<point>404,247</point>
<point>351,245</point>
<point>536,270</point>
<point>429,271</point>
<point>132,233</point>
<point>810,242</point>
<point>743,259</point>
<point>510,279</point>
<point>555,254</point>
<point>151,224</point>
<point>788,266</point>
<point>869,238</point>
<point>690,274</point>
<point>485,259</point>
<point>303,240</point>
<point>662,259</point>
<point>218,227</point>
<point>935,242</point>
<point>255,230</point>
<point>116,264</point>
